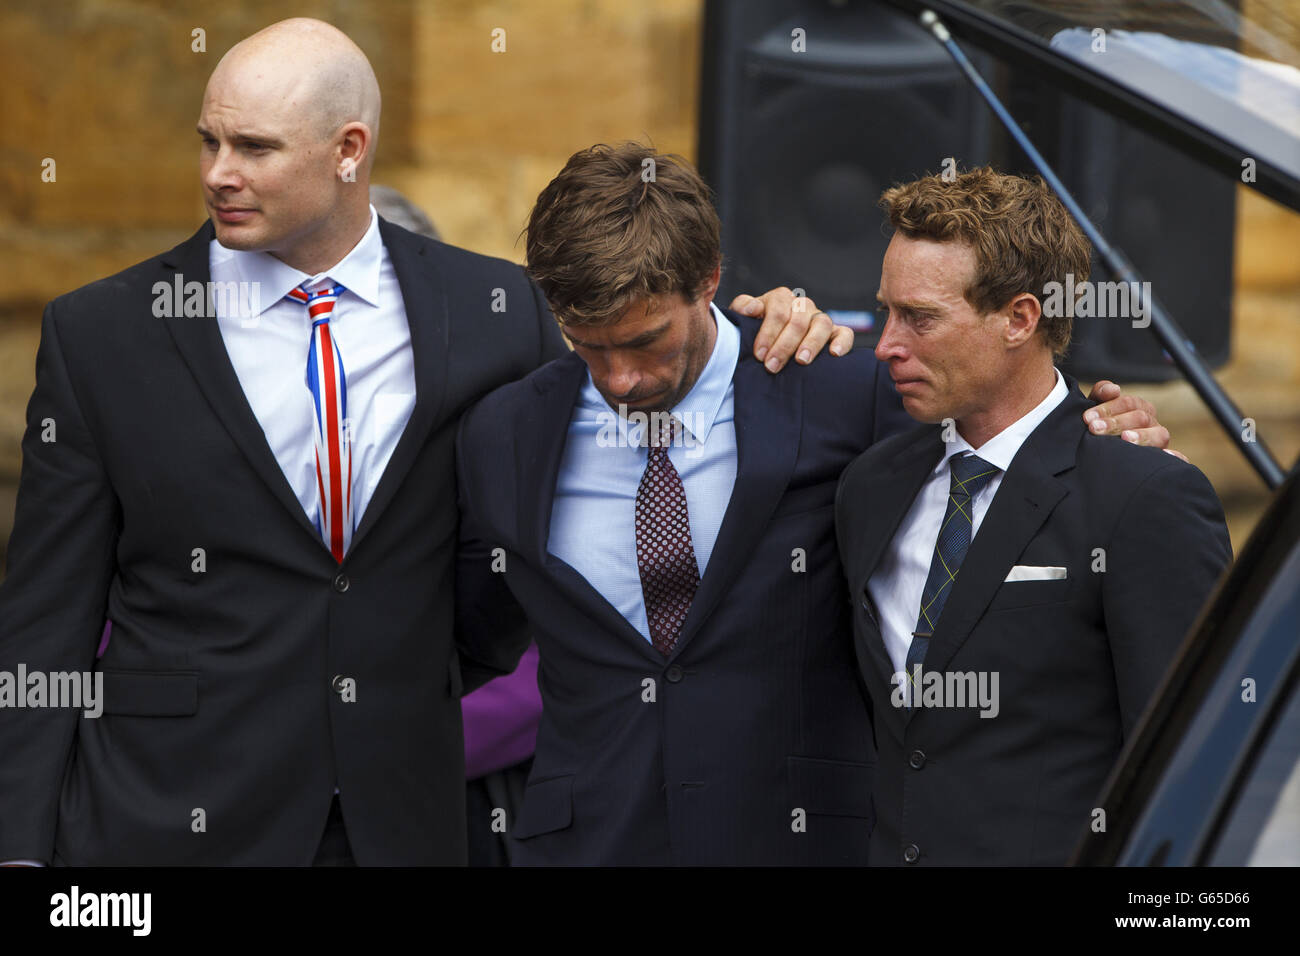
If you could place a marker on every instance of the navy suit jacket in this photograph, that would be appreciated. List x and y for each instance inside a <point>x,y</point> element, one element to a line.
<point>1078,658</point>
<point>750,743</point>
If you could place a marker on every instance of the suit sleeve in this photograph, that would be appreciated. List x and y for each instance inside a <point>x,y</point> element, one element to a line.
<point>846,541</point>
<point>553,345</point>
<point>491,629</point>
<point>52,602</point>
<point>1169,547</point>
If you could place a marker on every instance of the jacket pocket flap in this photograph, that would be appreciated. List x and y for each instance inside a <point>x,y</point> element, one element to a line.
<point>548,806</point>
<point>151,693</point>
<point>832,787</point>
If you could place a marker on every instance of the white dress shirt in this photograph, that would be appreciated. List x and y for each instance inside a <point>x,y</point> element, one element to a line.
<point>898,581</point>
<point>593,518</point>
<point>268,347</point>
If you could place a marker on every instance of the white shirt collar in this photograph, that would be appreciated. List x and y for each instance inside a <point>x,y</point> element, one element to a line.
<point>1002,447</point>
<point>358,271</point>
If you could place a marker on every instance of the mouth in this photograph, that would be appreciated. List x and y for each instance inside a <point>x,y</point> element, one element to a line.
<point>233,213</point>
<point>640,401</point>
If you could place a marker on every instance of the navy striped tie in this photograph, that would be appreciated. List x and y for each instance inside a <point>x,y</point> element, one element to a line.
<point>969,475</point>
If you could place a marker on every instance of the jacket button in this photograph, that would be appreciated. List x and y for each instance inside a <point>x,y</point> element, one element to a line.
<point>912,853</point>
<point>341,583</point>
<point>916,760</point>
<point>674,674</point>
<point>338,683</point>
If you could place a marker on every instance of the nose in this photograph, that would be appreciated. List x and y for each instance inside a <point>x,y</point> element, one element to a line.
<point>221,172</point>
<point>622,374</point>
<point>891,344</point>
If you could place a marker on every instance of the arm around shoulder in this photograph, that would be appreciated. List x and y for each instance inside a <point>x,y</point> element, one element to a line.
<point>491,629</point>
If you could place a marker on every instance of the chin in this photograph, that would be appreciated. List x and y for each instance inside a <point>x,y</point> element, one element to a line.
<point>922,411</point>
<point>244,240</point>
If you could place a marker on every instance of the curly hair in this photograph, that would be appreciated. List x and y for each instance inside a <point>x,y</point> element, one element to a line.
<point>1021,233</point>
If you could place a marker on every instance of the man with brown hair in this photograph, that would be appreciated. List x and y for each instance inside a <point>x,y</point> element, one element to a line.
<point>1019,587</point>
<point>661,509</point>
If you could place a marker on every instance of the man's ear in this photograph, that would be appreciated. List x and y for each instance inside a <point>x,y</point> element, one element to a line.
<point>353,149</point>
<point>711,289</point>
<point>1023,313</point>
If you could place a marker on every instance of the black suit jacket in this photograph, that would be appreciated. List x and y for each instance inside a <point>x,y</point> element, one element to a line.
<point>1078,659</point>
<point>749,744</point>
<point>219,684</point>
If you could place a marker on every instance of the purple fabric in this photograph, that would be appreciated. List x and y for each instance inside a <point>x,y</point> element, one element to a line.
<point>103,639</point>
<point>501,719</point>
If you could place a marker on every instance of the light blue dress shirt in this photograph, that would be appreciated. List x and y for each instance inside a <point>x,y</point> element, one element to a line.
<point>593,519</point>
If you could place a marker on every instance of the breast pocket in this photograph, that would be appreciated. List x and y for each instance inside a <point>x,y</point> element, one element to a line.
<point>800,501</point>
<point>1013,594</point>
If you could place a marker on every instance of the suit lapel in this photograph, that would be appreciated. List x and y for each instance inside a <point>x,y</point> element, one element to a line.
<point>1026,498</point>
<point>204,352</point>
<point>768,415</point>
<point>425,298</point>
<point>542,434</point>
<point>887,496</point>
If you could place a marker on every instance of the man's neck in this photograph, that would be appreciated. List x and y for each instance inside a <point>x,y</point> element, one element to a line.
<point>1020,395</point>
<point>711,343</point>
<point>341,236</point>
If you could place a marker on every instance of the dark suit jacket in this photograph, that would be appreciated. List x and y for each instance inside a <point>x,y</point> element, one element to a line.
<point>219,684</point>
<point>1078,659</point>
<point>757,727</point>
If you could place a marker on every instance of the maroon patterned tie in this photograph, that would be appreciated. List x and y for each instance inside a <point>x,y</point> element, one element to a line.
<point>664,555</point>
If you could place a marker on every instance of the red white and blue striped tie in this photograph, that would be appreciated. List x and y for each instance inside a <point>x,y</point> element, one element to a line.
<point>329,391</point>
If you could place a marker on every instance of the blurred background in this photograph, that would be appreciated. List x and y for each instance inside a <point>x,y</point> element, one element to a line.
<point>796,148</point>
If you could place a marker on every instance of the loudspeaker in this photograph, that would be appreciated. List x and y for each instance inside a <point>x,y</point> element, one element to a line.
<point>1173,218</point>
<point>809,110</point>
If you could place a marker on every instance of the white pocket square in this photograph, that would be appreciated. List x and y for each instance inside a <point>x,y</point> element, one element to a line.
<point>1028,572</point>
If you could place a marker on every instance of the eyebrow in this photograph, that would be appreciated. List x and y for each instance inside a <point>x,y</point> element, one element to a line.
<point>645,338</point>
<point>244,136</point>
<point>913,307</point>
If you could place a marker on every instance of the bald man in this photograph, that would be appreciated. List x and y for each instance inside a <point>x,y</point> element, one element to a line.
<point>240,453</point>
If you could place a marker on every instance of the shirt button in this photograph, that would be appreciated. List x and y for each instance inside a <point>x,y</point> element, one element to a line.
<point>917,760</point>
<point>338,683</point>
<point>674,674</point>
<point>912,853</point>
<point>341,583</point>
